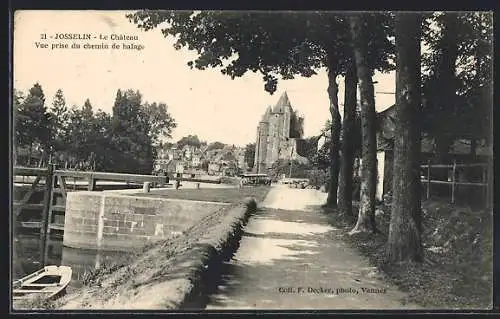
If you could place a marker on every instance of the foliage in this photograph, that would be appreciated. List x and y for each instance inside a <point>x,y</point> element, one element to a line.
<point>204,165</point>
<point>60,122</point>
<point>159,123</point>
<point>33,121</point>
<point>318,177</point>
<point>215,146</point>
<point>191,140</point>
<point>468,114</point>
<point>284,167</point>
<point>123,141</point>
<point>275,44</point>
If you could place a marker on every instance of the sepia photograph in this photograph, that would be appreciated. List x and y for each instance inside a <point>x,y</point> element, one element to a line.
<point>172,160</point>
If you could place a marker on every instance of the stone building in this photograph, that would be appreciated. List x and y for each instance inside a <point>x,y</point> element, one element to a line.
<point>277,134</point>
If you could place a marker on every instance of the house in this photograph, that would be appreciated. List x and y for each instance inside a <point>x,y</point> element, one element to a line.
<point>197,158</point>
<point>460,151</point>
<point>229,169</point>
<point>214,168</point>
<point>180,167</point>
<point>187,152</point>
<point>161,164</point>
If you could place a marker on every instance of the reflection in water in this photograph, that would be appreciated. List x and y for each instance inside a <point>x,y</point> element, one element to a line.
<point>27,258</point>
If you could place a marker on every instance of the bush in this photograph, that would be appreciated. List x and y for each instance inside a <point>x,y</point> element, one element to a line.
<point>251,204</point>
<point>317,177</point>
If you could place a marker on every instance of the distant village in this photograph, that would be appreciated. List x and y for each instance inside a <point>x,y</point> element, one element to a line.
<point>279,135</point>
<point>192,160</point>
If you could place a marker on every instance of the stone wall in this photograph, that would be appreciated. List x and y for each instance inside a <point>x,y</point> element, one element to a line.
<point>96,220</point>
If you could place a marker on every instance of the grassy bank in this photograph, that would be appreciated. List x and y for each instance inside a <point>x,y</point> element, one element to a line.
<point>155,267</point>
<point>457,271</point>
<point>226,195</point>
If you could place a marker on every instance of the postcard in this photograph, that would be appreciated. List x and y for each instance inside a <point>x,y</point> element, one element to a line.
<point>251,160</point>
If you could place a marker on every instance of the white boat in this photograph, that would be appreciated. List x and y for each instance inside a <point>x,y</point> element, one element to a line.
<point>48,282</point>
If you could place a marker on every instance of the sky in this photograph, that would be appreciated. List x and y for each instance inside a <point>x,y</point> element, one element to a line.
<point>206,103</point>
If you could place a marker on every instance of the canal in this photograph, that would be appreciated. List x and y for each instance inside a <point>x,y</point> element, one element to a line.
<point>26,257</point>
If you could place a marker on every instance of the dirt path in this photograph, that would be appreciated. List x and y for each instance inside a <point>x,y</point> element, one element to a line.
<point>291,258</point>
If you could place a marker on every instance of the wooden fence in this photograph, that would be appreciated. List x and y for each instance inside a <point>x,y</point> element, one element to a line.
<point>486,182</point>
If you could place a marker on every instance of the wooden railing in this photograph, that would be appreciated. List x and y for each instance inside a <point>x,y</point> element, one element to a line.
<point>486,180</point>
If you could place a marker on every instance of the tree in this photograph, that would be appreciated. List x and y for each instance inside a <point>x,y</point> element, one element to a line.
<point>159,122</point>
<point>215,146</point>
<point>348,138</point>
<point>250,154</point>
<point>204,165</point>
<point>404,241</point>
<point>60,123</point>
<point>21,138</point>
<point>191,140</point>
<point>457,78</point>
<point>101,141</point>
<point>81,133</point>
<point>33,122</point>
<point>366,214</point>
<point>133,150</point>
<point>445,100</point>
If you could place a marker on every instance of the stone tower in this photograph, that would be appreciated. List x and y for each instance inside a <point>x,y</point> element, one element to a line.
<point>273,140</point>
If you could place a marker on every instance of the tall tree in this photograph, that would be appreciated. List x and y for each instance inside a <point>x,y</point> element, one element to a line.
<point>133,146</point>
<point>404,240</point>
<point>366,214</point>
<point>60,121</point>
<point>444,73</point>
<point>333,88</point>
<point>81,133</point>
<point>457,77</point>
<point>21,138</point>
<point>159,123</point>
<point>101,141</point>
<point>348,137</point>
<point>33,122</point>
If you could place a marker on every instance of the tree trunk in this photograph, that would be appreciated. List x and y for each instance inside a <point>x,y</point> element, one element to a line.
<point>446,98</point>
<point>333,89</point>
<point>366,214</point>
<point>404,241</point>
<point>347,160</point>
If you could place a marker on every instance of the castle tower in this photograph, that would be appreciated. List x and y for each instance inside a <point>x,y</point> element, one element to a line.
<point>262,142</point>
<point>273,133</point>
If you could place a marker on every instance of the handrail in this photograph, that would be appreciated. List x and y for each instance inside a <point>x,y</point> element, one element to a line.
<point>104,176</point>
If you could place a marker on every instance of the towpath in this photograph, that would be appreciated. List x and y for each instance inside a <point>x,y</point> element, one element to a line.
<point>291,258</point>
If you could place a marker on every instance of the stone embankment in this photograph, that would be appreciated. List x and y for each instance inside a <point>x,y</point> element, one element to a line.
<point>170,274</point>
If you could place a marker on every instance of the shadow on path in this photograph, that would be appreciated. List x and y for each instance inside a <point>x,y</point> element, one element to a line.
<point>293,259</point>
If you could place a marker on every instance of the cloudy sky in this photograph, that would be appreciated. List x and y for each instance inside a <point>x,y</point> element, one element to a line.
<point>205,103</point>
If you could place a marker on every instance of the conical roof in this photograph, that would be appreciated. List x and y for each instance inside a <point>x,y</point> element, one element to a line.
<point>282,103</point>
<point>265,116</point>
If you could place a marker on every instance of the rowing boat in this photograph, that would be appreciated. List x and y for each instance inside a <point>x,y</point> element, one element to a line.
<point>47,283</point>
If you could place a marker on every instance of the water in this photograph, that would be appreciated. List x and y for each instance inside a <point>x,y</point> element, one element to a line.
<point>27,257</point>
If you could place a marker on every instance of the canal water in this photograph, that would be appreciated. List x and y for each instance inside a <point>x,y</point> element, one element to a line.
<point>26,257</point>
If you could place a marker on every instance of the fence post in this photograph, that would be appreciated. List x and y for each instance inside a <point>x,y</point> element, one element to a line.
<point>453,182</point>
<point>92,183</point>
<point>46,208</point>
<point>428,179</point>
